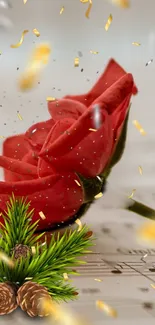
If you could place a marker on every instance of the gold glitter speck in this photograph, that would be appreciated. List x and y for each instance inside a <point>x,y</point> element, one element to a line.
<point>62,10</point>
<point>24,1</point>
<point>77,182</point>
<point>132,194</point>
<point>98,196</point>
<point>122,3</point>
<point>21,40</point>
<point>42,216</point>
<point>76,62</point>
<point>139,127</point>
<point>147,232</point>
<point>33,249</point>
<point>20,117</point>
<point>108,23</point>
<point>98,280</point>
<point>50,99</point>
<point>94,52</point>
<point>79,223</point>
<point>36,32</point>
<point>136,43</point>
<point>87,14</point>
<point>65,276</point>
<point>101,305</point>
<point>140,170</point>
<point>6,259</point>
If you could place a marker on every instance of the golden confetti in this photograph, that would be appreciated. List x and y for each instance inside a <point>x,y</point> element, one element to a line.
<point>122,3</point>
<point>29,278</point>
<point>153,286</point>
<point>132,194</point>
<point>93,130</point>
<point>2,137</point>
<point>21,40</point>
<point>6,259</point>
<point>30,77</point>
<point>65,276</point>
<point>36,32</point>
<point>89,9</point>
<point>98,196</point>
<point>94,52</point>
<point>76,62</point>
<point>62,10</point>
<point>79,223</point>
<point>108,23</point>
<point>147,232</point>
<point>77,182</point>
<point>98,280</point>
<point>139,127</point>
<point>140,170</point>
<point>106,308</point>
<point>50,99</point>
<point>136,43</point>
<point>20,117</point>
<point>24,1</point>
<point>33,249</point>
<point>42,216</point>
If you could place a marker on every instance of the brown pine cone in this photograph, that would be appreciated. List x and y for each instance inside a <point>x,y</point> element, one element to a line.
<point>29,298</point>
<point>20,251</point>
<point>8,301</point>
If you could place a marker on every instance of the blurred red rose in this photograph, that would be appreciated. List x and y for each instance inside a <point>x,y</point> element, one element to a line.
<point>43,163</point>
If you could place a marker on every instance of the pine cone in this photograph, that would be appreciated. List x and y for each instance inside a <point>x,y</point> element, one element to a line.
<point>8,301</point>
<point>20,251</point>
<point>29,298</point>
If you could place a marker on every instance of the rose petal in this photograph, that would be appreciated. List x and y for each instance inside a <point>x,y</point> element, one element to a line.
<point>90,156</point>
<point>112,73</point>
<point>66,108</point>
<point>109,100</point>
<point>37,133</point>
<point>14,147</point>
<point>58,197</point>
<point>18,167</point>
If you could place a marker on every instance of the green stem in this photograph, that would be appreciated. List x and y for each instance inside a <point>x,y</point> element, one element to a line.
<point>142,209</point>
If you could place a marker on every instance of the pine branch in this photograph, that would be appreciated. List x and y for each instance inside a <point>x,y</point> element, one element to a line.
<point>17,228</point>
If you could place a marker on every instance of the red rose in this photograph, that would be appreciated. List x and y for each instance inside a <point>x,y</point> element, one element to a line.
<point>43,164</point>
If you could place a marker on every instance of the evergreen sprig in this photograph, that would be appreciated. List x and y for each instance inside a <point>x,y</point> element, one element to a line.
<point>47,265</point>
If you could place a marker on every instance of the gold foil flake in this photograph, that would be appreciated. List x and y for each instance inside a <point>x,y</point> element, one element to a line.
<point>147,63</point>
<point>33,249</point>
<point>98,196</point>
<point>77,182</point>
<point>101,305</point>
<point>76,62</point>
<point>87,14</point>
<point>62,10</point>
<point>132,194</point>
<point>140,170</point>
<point>136,43</point>
<point>50,99</point>
<point>42,216</point>
<point>19,116</point>
<point>94,52</point>
<point>21,40</point>
<point>122,3</point>
<point>93,130</point>
<point>29,278</point>
<point>30,77</point>
<point>36,32</point>
<point>98,280</point>
<point>24,1</point>
<point>65,276</point>
<point>2,137</point>
<point>108,23</point>
<point>79,223</point>
<point>147,232</point>
<point>139,127</point>
<point>153,286</point>
<point>6,259</point>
